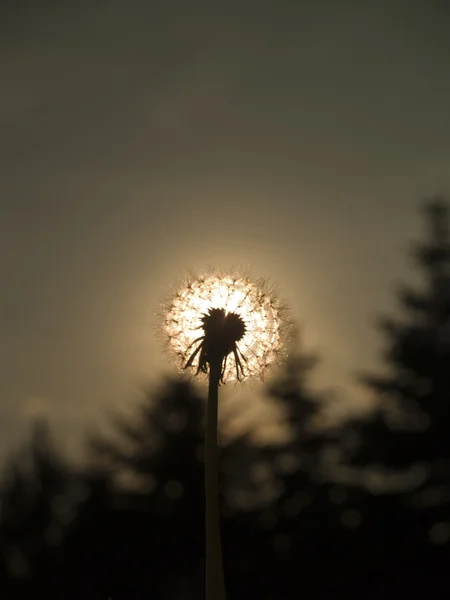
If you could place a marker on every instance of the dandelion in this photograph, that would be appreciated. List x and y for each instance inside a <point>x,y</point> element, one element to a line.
<point>224,328</point>
<point>241,321</point>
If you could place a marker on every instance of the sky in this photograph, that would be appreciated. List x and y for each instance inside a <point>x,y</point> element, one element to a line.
<point>141,140</point>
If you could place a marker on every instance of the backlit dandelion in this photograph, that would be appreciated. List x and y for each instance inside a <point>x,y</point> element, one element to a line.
<point>241,320</point>
<point>226,328</point>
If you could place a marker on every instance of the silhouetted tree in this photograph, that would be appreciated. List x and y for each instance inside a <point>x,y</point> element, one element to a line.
<point>155,459</point>
<point>284,543</point>
<point>404,452</point>
<point>33,511</point>
<point>415,391</point>
<point>162,450</point>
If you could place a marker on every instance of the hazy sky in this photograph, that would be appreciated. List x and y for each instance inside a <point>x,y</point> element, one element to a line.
<point>139,140</point>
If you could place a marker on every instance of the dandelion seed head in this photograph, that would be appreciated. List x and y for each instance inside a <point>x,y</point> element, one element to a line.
<point>256,321</point>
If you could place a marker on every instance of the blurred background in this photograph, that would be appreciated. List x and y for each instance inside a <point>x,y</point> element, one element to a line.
<point>307,142</point>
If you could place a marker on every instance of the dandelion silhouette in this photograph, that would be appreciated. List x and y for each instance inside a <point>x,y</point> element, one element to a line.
<point>243,333</point>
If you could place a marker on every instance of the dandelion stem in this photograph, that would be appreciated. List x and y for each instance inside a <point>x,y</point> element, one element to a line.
<point>215,588</point>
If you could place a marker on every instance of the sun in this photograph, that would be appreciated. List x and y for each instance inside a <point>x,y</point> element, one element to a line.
<point>254,303</point>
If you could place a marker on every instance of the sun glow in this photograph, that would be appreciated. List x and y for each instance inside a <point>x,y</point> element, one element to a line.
<point>257,306</point>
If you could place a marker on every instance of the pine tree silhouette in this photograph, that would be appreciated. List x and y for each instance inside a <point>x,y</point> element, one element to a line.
<point>285,543</point>
<point>415,391</point>
<point>33,503</point>
<point>405,445</point>
<point>162,448</point>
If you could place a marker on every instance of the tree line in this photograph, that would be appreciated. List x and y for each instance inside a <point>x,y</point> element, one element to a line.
<point>356,510</point>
